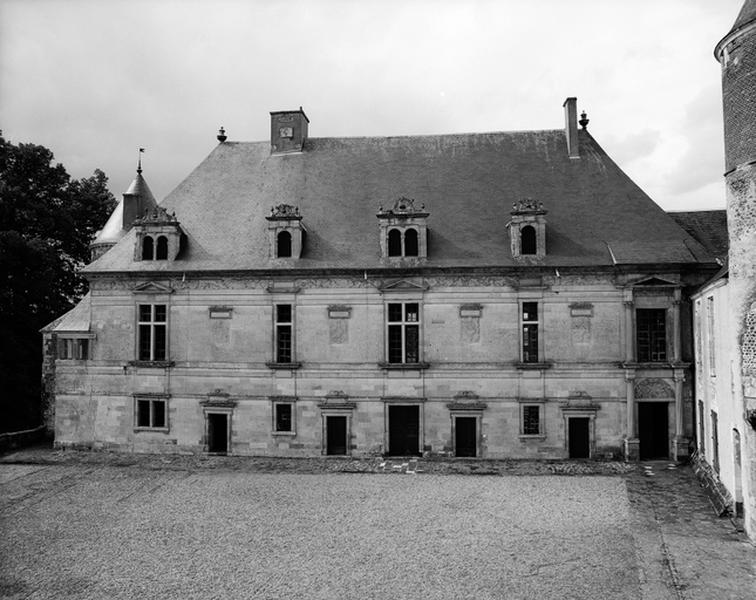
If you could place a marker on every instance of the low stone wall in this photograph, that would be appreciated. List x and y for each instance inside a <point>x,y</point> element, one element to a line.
<point>20,439</point>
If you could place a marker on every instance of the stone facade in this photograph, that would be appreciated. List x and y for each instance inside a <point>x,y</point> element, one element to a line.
<point>587,368</point>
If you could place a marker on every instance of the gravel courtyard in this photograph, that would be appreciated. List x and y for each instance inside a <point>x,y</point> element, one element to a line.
<point>99,531</point>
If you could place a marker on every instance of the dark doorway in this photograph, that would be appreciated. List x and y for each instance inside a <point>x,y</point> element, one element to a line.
<point>652,430</point>
<point>217,433</point>
<point>336,435</point>
<point>404,430</point>
<point>579,435</point>
<point>465,436</point>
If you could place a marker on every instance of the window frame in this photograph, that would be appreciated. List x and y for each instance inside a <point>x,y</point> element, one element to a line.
<point>710,336</point>
<point>653,336</point>
<point>161,247</point>
<point>153,326</point>
<point>529,403</point>
<point>151,401</point>
<point>532,242</point>
<point>290,242</point>
<point>275,404</point>
<point>148,239</point>
<point>529,322</point>
<point>401,231</point>
<point>403,324</point>
<point>279,326</point>
<point>74,348</point>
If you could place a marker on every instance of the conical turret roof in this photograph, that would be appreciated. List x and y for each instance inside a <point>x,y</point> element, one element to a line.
<point>115,228</point>
<point>746,19</point>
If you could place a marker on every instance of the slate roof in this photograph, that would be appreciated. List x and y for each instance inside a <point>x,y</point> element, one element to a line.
<point>467,182</point>
<point>76,320</point>
<point>708,227</point>
<point>745,16</point>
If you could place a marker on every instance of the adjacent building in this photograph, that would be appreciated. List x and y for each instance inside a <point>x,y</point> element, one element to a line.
<point>506,294</point>
<point>725,308</point>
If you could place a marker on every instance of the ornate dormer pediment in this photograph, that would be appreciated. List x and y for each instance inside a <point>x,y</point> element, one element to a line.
<point>284,212</point>
<point>403,208</point>
<point>527,229</point>
<point>158,235</point>
<point>403,229</point>
<point>285,231</point>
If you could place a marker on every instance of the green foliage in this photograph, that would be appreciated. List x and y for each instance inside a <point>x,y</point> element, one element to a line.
<point>46,223</point>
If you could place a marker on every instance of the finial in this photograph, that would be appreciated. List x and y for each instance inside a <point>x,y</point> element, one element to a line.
<point>584,120</point>
<point>139,165</point>
<point>222,135</point>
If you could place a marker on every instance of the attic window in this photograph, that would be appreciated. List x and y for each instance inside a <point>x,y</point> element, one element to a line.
<point>283,245</point>
<point>403,228</point>
<point>528,240</point>
<point>148,248</point>
<point>395,243</point>
<point>162,248</point>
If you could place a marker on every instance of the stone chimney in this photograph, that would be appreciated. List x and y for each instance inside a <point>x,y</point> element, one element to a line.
<point>570,127</point>
<point>288,131</point>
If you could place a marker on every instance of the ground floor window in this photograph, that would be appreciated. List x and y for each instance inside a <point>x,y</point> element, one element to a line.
<point>283,417</point>
<point>531,419</point>
<point>151,413</point>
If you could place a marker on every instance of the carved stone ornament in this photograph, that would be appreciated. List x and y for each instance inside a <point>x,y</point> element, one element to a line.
<point>284,212</point>
<point>528,206</point>
<point>403,207</point>
<point>653,388</point>
<point>157,216</point>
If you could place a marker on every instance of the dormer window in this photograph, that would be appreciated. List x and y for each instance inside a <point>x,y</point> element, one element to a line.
<point>285,231</point>
<point>283,244</point>
<point>158,236</point>
<point>148,248</point>
<point>527,229</point>
<point>403,229</point>
<point>528,243</point>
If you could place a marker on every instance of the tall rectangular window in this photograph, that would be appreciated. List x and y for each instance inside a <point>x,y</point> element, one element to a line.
<point>531,419</point>
<point>283,417</point>
<point>714,441</point>
<point>701,428</point>
<point>403,332</point>
<point>284,333</point>
<point>152,332</point>
<point>710,334</point>
<point>651,334</point>
<point>530,332</point>
<point>150,413</point>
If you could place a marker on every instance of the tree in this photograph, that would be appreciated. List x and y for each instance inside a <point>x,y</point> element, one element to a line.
<point>47,221</point>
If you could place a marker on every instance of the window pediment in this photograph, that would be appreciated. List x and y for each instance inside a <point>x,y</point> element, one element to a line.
<point>403,285</point>
<point>152,287</point>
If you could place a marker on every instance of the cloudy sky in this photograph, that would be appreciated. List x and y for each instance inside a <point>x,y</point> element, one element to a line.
<point>95,80</point>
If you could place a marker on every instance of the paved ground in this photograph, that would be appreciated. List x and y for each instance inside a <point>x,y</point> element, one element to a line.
<point>98,526</point>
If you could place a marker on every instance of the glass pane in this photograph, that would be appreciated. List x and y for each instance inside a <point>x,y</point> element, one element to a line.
<point>82,349</point>
<point>143,413</point>
<point>283,343</point>
<point>283,313</point>
<point>145,312</point>
<point>159,342</point>
<point>395,313</point>
<point>530,311</point>
<point>530,343</point>
<point>283,417</point>
<point>395,344</point>
<point>411,343</point>
<point>530,424</point>
<point>412,312</point>
<point>160,313</point>
<point>145,342</point>
<point>158,413</point>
